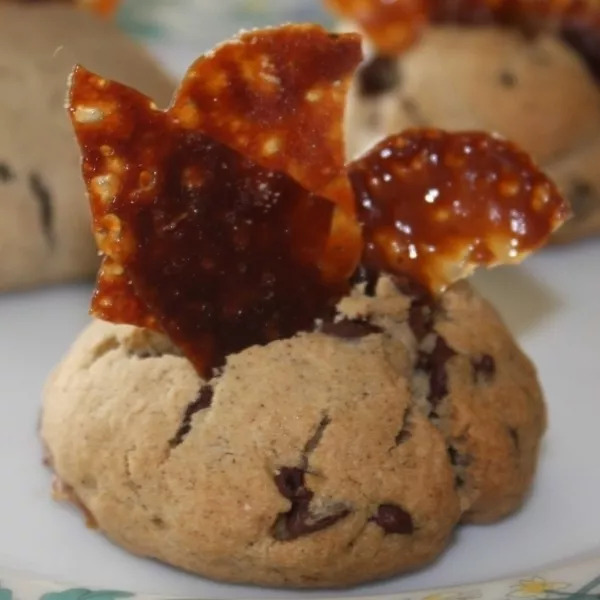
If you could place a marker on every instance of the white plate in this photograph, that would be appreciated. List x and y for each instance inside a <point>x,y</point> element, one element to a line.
<point>552,305</point>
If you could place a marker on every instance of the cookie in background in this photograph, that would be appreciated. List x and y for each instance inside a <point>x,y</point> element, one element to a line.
<point>45,229</point>
<point>528,71</point>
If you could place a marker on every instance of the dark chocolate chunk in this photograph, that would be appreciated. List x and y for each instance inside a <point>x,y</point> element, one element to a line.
<point>457,459</point>
<point>290,482</point>
<point>42,194</point>
<point>420,315</point>
<point>582,195</point>
<point>508,79</point>
<point>202,401</point>
<point>434,364</point>
<point>299,520</point>
<point>514,436</point>
<point>379,75</point>
<point>420,319</point>
<point>6,173</point>
<point>393,519</point>
<point>484,367</point>
<point>349,329</point>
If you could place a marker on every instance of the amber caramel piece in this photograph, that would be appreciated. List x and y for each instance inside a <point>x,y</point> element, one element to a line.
<point>391,25</point>
<point>436,205</point>
<point>201,241</point>
<point>103,7</point>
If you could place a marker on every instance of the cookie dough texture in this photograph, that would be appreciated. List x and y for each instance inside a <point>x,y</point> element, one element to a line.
<point>537,92</point>
<point>382,472</point>
<point>45,226</point>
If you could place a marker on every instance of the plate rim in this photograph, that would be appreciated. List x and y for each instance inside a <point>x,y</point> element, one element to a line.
<point>571,580</point>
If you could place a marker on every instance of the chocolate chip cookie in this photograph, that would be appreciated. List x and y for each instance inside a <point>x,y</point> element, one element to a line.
<point>342,455</point>
<point>45,225</point>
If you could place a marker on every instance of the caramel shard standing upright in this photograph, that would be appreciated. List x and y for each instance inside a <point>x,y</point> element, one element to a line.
<point>216,248</point>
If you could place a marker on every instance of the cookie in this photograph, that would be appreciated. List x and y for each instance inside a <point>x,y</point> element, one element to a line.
<point>335,457</point>
<point>45,229</point>
<point>536,91</point>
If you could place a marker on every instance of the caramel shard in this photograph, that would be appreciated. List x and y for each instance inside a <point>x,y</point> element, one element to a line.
<point>103,7</point>
<point>391,25</point>
<point>200,240</point>
<point>436,205</point>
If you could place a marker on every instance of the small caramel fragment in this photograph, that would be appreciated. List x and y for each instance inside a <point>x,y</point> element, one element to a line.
<point>102,7</point>
<point>391,25</point>
<point>200,240</point>
<point>435,205</point>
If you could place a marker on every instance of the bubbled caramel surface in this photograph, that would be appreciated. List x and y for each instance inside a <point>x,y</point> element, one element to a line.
<point>435,205</point>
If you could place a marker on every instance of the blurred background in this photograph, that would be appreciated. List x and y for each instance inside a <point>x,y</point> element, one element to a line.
<point>176,30</point>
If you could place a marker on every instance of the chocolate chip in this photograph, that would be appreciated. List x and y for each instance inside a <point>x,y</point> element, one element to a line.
<point>290,482</point>
<point>369,277</point>
<point>434,364</point>
<point>581,194</point>
<point>508,79</point>
<point>202,401</point>
<point>484,367</point>
<point>393,519</point>
<point>6,173</point>
<point>420,319</point>
<point>299,520</point>
<point>349,329</point>
<point>157,522</point>
<point>420,314</point>
<point>44,199</point>
<point>378,75</point>
<point>457,459</point>
<point>514,436</point>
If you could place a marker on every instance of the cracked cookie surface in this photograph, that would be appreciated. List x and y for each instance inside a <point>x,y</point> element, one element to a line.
<point>328,459</point>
